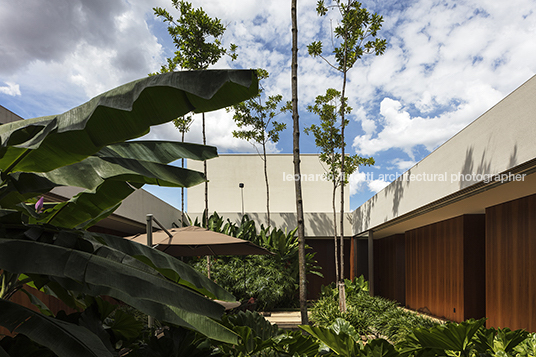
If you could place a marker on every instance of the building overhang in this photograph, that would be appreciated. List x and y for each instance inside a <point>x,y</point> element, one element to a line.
<point>481,166</point>
<point>471,200</point>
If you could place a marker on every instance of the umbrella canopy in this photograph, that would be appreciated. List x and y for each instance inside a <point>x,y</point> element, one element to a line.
<point>197,241</point>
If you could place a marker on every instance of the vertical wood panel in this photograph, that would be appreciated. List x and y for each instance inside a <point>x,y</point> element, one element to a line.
<point>325,256</point>
<point>442,260</point>
<point>510,266</point>
<point>389,267</point>
<point>474,272</point>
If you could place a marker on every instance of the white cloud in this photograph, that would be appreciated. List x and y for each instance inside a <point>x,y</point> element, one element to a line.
<point>377,185</point>
<point>356,182</point>
<point>403,164</point>
<point>219,128</point>
<point>402,131</point>
<point>12,89</point>
<point>446,64</point>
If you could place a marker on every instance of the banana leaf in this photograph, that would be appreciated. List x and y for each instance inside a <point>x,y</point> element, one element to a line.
<point>63,338</point>
<point>145,257</point>
<point>162,152</point>
<point>165,264</point>
<point>124,113</point>
<point>112,273</point>
<point>135,162</point>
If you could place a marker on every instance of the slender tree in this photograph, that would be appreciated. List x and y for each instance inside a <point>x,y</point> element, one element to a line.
<point>197,38</point>
<point>183,124</point>
<point>297,171</point>
<point>259,127</point>
<point>355,36</point>
<point>328,139</point>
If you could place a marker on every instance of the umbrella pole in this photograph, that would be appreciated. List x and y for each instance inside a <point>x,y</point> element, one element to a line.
<point>150,319</point>
<point>208,266</point>
<point>244,265</point>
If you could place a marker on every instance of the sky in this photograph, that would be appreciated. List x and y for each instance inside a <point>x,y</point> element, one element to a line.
<point>446,63</point>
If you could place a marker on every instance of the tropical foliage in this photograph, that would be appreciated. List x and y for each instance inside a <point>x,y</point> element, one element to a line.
<point>370,316</point>
<point>374,326</point>
<point>272,280</point>
<point>47,246</point>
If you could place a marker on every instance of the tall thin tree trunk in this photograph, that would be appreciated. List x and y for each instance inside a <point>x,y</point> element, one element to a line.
<point>267,185</point>
<point>205,172</point>
<point>343,180</point>
<point>335,235</point>
<point>342,294</point>
<point>297,171</point>
<point>182,191</point>
<point>206,191</point>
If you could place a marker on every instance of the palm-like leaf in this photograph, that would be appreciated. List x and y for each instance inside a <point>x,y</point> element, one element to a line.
<point>341,343</point>
<point>162,152</point>
<point>124,113</point>
<point>62,338</point>
<point>82,147</point>
<point>105,176</point>
<point>113,273</point>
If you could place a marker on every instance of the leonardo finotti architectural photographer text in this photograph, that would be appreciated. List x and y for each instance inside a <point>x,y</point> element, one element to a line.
<point>421,177</point>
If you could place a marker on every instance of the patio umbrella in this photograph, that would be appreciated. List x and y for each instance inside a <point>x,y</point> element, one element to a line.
<point>197,241</point>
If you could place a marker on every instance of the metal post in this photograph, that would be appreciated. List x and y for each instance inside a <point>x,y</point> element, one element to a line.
<point>241,185</point>
<point>150,319</point>
<point>371,262</point>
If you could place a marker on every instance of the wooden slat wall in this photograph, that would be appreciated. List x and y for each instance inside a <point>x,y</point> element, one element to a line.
<point>325,256</point>
<point>389,268</point>
<point>511,264</point>
<point>359,258</point>
<point>435,267</point>
<point>474,266</point>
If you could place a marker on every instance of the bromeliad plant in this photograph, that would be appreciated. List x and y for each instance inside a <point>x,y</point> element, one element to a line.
<point>47,246</point>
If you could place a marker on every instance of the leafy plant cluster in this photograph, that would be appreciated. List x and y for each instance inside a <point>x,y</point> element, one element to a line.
<point>469,338</point>
<point>370,316</point>
<point>271,279</point>
<point>47,246</point>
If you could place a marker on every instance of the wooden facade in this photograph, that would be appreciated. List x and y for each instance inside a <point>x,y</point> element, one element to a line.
<point>390,268</point>
<point>325,256</point>
<point>359,258</point>
<point>445,268</point>
<point>511,264</point>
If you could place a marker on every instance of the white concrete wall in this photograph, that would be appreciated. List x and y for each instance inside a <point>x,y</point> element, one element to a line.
<point>500,139</point>
<point>136,207</point>
<point>7,116</point>
<point>228,170</point>
<point>317,225</point>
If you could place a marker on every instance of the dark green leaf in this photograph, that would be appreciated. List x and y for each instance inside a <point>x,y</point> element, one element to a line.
<point>162,152</point>
<point>63,338</point>
<point>126,112</point>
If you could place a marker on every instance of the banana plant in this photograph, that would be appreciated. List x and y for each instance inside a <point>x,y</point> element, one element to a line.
<point>46,245</point>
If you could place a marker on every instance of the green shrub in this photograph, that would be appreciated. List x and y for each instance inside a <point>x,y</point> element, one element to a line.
<point>371,316</point>
<point>271,279</point>
<point>257,276</point>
